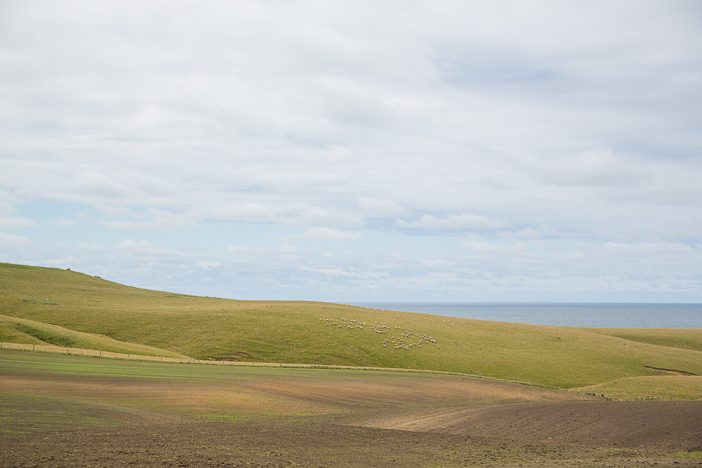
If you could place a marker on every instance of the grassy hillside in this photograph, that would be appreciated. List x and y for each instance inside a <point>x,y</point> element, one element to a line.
<point>668,387</point>
<point>324,333</point>
<point>690,338</point>
<point>17,330</point>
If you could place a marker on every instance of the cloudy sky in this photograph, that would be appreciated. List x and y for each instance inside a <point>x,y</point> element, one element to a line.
<point>357,150</point>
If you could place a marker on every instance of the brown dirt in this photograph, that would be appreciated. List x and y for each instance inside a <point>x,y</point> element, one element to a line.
<point>286,395</point>
<point>673,425</point>
<point>68,420</point>
<point>307,442</point>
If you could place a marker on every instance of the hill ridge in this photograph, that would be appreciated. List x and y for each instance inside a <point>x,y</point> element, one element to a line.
<point>331,334</point>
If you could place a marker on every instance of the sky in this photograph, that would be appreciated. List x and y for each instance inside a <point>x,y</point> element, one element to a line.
<point>357,150</point>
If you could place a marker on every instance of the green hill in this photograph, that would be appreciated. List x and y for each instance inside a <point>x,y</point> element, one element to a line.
<point>109,315</point>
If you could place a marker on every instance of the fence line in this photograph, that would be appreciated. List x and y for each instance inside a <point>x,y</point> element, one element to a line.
<point>139,357</point>
<point>87,352</point>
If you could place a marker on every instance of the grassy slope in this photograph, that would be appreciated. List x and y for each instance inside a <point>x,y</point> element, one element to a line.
<point>686,338</point>
<point>17,330</point>
<point>662,387</point>
<point>324,333</point>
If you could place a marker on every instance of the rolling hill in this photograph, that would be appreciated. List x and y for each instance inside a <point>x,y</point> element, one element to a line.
<point>45,305</point>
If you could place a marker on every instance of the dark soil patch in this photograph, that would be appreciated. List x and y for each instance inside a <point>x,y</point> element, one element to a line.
<point>675,425</point>
<point>296,442</point>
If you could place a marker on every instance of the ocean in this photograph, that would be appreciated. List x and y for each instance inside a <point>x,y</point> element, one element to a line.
<point>596,315</point>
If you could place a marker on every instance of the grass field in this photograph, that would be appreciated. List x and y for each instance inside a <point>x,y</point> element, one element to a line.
<point>674,337</point>
<point>58,306</point>
<point>234,392</point>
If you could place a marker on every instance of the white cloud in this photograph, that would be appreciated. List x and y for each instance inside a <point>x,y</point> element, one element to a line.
<point>325,233</point>
<point>648,248</point>
<point>554,123</point>
<point>10,240</point>
<point>151,219</point>
<point>129,244</point>
<point>536,232</point>
<point>8,217</point>
<point>596,168</point>
<point>452,222</point>
<point>206,264</point>
<point>493,248</point>
<point>332,272</point>
<point>383,208</point>
<point>16,221</point>
<point>64,222</point>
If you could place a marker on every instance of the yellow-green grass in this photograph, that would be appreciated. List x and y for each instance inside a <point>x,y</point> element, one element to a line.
<point>18,330</point>
<point>693,454</point>
<point>660,387</point>
<point>686,338</point>
<point>325,333</point>
<point>31,383</point>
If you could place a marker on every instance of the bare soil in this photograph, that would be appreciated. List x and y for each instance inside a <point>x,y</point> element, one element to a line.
<point>254,417</point>
<point>671,425</point>
<point>307,442</point>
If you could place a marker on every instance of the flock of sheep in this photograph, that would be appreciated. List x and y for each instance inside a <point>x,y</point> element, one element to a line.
<point>406,340</point>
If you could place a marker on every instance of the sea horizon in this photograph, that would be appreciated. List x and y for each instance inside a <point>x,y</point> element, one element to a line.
<point>575,314</point>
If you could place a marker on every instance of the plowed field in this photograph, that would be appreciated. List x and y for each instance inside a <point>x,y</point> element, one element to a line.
<point>71,411</point>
